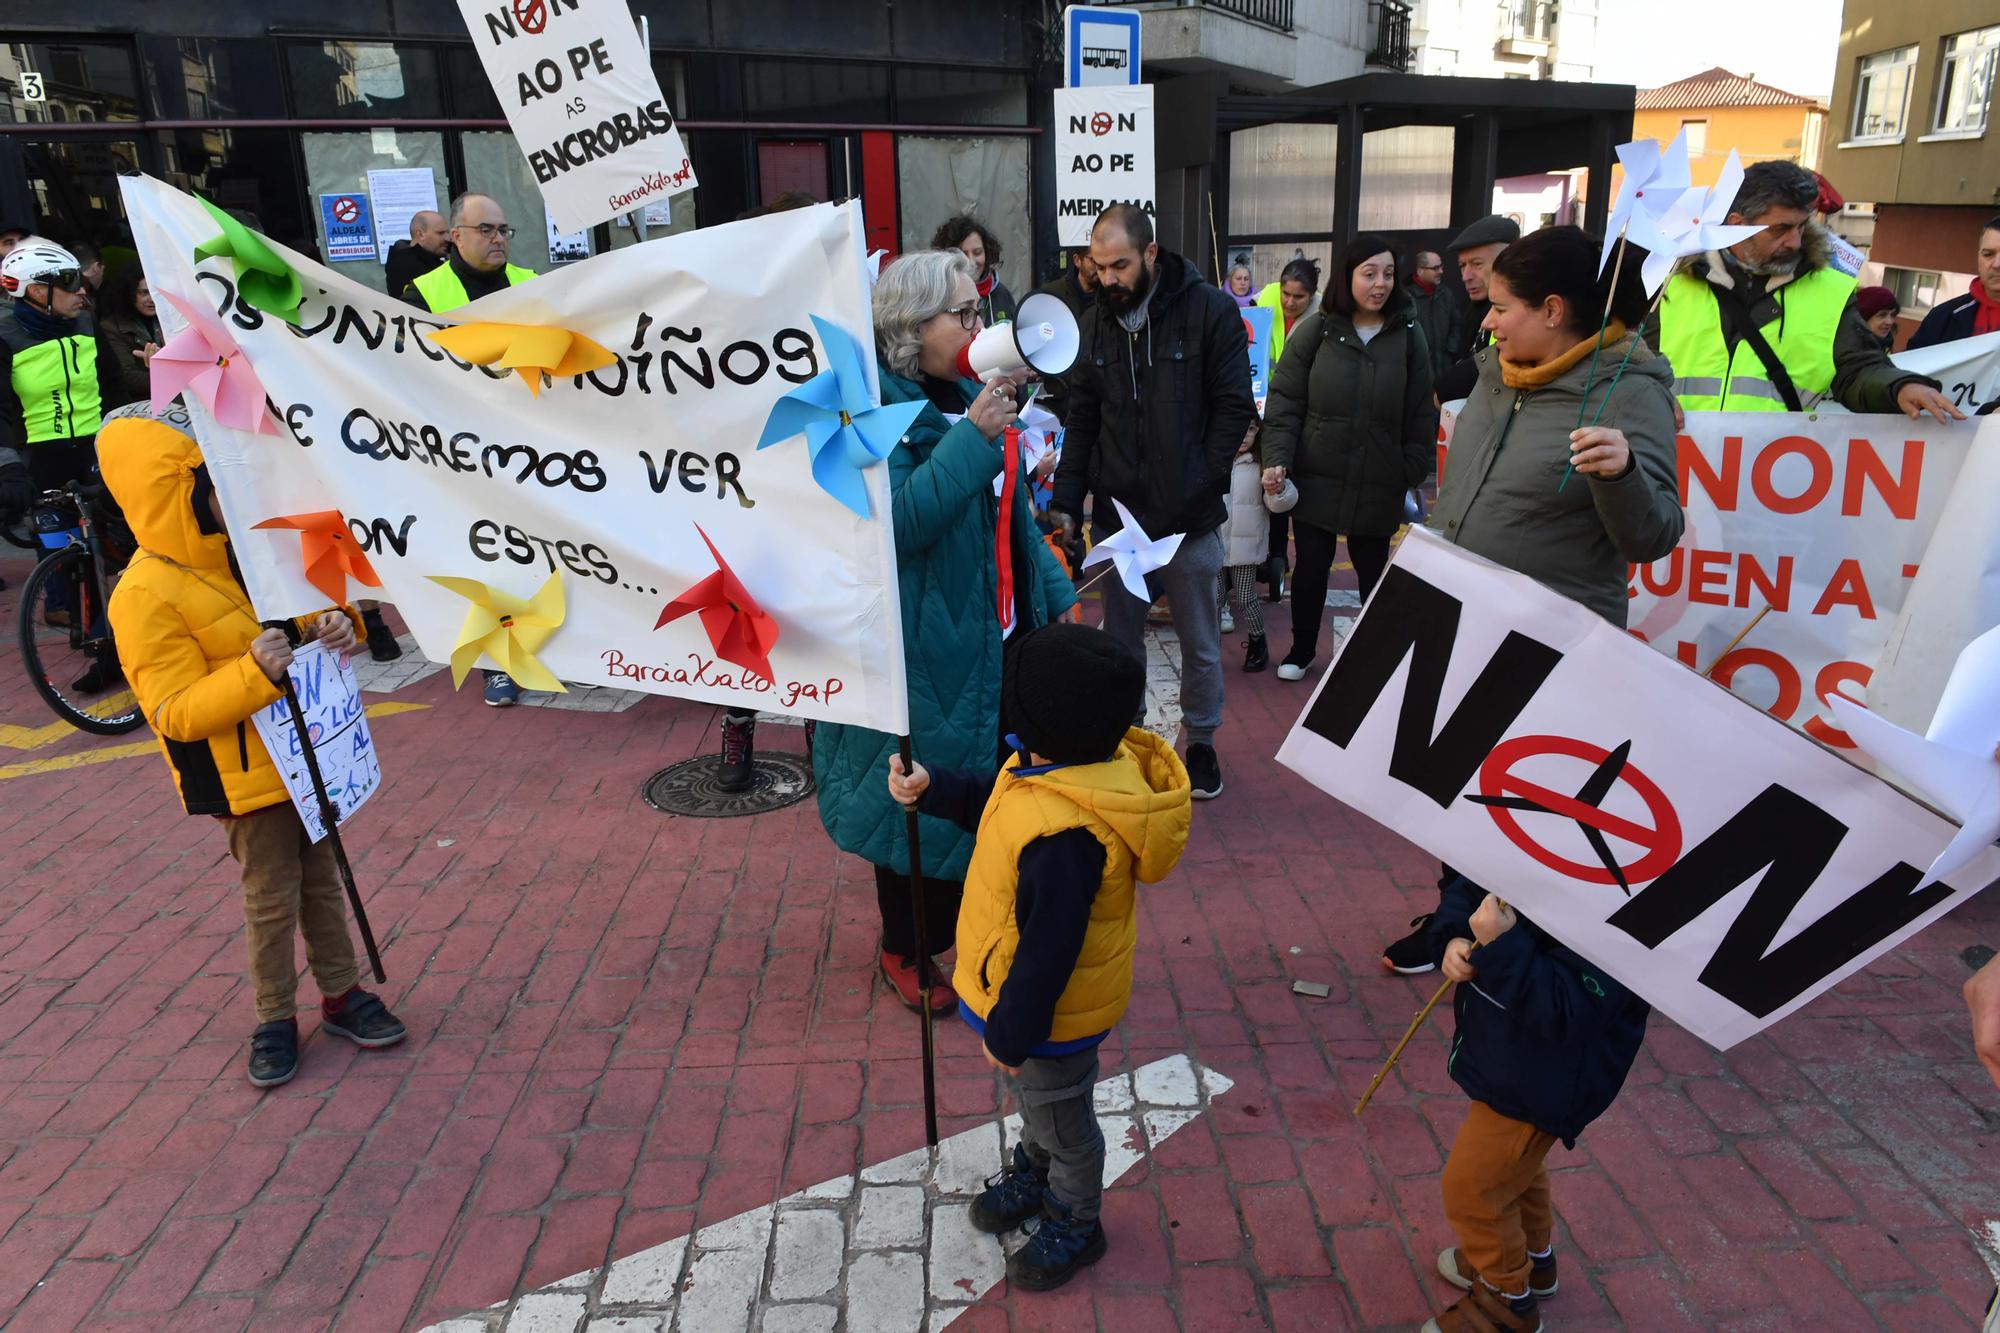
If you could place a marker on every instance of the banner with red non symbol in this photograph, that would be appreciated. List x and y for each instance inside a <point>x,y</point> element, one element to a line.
<point>581,96</point>
<point>1720,864</point>
<point>1825,518</point>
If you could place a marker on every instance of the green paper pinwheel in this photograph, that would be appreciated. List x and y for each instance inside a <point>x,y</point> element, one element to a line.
<point>263,280</point>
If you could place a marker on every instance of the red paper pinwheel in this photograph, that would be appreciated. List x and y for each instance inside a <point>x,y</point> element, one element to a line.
<point>741,631</point>
<point>330,552</point>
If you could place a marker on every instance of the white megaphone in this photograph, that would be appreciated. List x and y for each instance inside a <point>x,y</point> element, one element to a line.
<point>1041,338</point>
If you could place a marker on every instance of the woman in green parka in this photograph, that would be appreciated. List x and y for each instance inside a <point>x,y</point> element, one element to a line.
<point>945,513</point>
<point>1351,421</point>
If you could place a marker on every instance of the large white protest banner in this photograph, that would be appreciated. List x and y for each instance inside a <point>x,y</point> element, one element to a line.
<point>1104,155</point>
<point>581,96</point>
<point>605,502</point>
<point>1718,863</point>
<point>1826,518</point>
<point>1969,369</point>
<point>330,699</point>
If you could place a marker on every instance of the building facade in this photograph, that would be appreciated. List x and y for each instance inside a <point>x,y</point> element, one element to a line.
<point>1722,111</point>
<point>1505,39</point>
<point>267,107</point>
<point>1913,134</point>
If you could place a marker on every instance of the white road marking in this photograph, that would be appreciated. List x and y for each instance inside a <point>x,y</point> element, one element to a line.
<point>914,1260</point>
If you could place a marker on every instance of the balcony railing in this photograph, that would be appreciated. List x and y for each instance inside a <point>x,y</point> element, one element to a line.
<point>1527,20</point>
<point>1389,20</point>
<point>1271,13</point>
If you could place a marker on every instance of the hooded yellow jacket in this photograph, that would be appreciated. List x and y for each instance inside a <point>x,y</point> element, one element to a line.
<point>183,625</point>
<point>1136,804</point>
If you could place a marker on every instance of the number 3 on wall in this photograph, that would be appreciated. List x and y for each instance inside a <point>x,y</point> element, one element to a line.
<point>31,87</point>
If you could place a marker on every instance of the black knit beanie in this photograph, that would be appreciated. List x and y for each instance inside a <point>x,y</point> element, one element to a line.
<point>1070,692</point>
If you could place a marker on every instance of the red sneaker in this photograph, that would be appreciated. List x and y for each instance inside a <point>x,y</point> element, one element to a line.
<point>901,974</point>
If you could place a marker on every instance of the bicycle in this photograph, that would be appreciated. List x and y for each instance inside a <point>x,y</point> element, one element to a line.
<point>64,631</point>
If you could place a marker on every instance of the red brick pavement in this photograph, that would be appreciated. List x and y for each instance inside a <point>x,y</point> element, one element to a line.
<point>625,1025</point>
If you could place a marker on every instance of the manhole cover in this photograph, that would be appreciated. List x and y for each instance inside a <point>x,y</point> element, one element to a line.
<point>688,788</point>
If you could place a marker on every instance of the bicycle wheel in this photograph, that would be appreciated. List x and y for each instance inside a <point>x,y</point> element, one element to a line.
<point>19,530</point>
<point>73,666</point>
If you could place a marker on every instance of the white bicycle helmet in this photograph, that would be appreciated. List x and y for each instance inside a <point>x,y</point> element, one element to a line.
<point>39,259</point>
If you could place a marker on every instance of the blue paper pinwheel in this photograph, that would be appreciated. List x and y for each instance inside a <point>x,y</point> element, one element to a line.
<point>845,429</point>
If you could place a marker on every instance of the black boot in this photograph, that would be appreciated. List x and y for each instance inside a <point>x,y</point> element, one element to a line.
<point>382,645</point>
<point>1256,656</point>
<point>1274,579</point>
<point>737,768</point>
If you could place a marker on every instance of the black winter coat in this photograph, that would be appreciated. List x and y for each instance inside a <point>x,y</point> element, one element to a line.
<point>1161,411</point>
<point>1544,1036</point>
<point>1353,423</point>
<point>407,262</point>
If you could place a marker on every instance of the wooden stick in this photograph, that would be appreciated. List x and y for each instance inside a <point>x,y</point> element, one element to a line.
<point>1415,1023</point>
<point>1741,635</point>
<point>1094,579</point>
<point>1214,240</point>
<point>1397,1054</point>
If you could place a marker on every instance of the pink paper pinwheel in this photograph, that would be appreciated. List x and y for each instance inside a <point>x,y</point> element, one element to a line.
<point>203,360</point>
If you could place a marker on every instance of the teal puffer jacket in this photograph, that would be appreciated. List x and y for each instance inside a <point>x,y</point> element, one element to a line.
<point>941,484</point>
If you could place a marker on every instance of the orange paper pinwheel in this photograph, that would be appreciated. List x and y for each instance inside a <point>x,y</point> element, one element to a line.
<point>330,552</point>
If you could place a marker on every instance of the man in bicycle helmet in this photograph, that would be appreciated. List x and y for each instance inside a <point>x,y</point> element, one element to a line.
<point>54,377</point>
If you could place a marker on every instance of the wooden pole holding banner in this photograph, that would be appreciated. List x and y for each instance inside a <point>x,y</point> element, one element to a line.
<point>923,959</point>
<point>1741,635</point>
<point>327,814</point>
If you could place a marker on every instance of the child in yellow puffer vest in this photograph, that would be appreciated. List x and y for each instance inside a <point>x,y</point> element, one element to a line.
<point>1086,810</point>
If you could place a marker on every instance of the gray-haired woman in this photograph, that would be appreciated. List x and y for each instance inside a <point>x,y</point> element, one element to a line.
<point>960,602</point>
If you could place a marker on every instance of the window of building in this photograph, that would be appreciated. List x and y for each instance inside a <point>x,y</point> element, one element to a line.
<point>1697,137</point>
<point>208,78</point>
<point>1281,179</point>
<point>1406,178</point>
<point>364,81</point>
<point>1916,289</point>
<point>1965,79</point>
<point>816,90</point>
<point>77,81</point>
<point>1882,95</point>
<point>960,97</point>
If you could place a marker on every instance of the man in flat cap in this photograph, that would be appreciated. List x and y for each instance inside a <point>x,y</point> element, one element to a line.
<point>1477,247</point>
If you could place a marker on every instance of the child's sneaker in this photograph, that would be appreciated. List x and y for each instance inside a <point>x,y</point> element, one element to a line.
<point>1484,1310</point>
<point>363,1019</point>
<point>1057,1246</point>
<point>1012,1197</point>
<point>274,1053</point>
<point>1453,1268</point>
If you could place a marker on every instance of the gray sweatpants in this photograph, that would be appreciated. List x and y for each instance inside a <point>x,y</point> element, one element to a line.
<point>1059,1127</point>
<point>1188,581</point>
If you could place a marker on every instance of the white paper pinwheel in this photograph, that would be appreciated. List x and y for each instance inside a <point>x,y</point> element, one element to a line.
<point>1692,225</point>
<point>1953,763</point>
<point>1040,432</point>
<point>1134,553</point>
<point>1653,181</point>
<point>845,429</point>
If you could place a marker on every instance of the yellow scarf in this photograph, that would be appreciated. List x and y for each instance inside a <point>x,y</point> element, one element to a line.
<point>1516,376</point>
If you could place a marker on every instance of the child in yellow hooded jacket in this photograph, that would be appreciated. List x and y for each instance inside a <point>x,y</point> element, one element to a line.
<point>202,667</point>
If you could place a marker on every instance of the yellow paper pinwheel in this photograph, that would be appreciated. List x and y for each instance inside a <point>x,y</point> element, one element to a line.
<point>507,630</point>
<point>529,350</point>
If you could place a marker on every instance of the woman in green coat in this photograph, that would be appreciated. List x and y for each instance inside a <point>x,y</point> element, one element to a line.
<point>1351,421</point>
<point>945,513</point>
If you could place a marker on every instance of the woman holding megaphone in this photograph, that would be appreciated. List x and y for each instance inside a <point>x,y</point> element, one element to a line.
<point>964,592</point>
